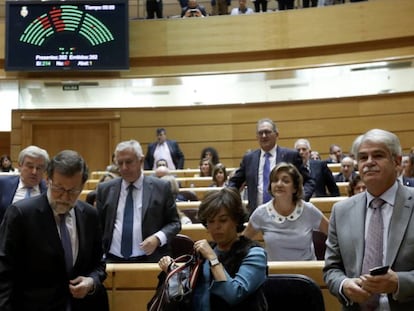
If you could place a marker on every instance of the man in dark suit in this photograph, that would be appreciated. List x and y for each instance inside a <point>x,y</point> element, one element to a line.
<point>138,213</point>
<point>407,181</point>
<point>252,165</point>
<point>350,251</point>
<point>318,170</point>
<point>32,164</point>
<point>347,171</point>
<point>51,246</point>
<point>166,149</point>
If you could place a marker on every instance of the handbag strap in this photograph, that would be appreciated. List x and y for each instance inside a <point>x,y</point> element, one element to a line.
<point>194,261</point>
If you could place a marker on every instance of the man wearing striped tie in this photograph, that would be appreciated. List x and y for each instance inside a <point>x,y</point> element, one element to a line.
<point>32,165</point>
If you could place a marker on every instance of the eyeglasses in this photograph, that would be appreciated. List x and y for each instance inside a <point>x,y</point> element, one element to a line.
<point>265,132</point>
<point>60,191</point>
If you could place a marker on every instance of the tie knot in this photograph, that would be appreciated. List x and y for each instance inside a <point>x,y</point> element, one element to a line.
<point>268,155</point>
<point>376,203</point>
<point>62,218</point>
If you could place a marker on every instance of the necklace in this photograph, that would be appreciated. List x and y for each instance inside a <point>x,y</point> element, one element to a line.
<point>280,219</point>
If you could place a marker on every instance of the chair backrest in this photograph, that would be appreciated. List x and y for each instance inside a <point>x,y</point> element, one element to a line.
<point>319,239</point>
<point>181,245</point>
<point>192,213</point>
<point>294,292</point>
<point>187,196</point>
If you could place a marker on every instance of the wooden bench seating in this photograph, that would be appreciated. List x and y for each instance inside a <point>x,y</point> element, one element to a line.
<point>130,286</point>
<point>334,167</point>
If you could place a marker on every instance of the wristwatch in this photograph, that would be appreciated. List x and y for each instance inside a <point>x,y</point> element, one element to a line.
<point>214,262</point>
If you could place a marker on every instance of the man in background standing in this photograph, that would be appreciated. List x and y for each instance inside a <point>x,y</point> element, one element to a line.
<point>256,166</point>
<point>325,184</point>
<point>166,149</point>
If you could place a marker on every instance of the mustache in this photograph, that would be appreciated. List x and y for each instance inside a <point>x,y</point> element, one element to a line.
<point>367,169</point>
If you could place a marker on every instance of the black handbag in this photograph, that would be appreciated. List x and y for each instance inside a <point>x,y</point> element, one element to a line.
<point>174,290</point>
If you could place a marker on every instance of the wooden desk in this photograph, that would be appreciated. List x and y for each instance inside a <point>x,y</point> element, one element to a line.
<point>131,286</point>
<point>343,188</point>
<point>334,167</point>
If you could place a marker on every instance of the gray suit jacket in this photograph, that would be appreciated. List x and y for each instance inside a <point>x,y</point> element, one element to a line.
<point>345,246</point>
<point>159,211</point>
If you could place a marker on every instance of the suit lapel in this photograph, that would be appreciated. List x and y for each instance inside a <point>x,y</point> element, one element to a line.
<point>147,187</point>
<point>357,217</point>
<point>81,232</point>
<point>113,198</point>
<point>47,222</point>
<point>401,216</point>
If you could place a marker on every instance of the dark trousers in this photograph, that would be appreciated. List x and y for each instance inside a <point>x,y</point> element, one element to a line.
<point>259,3</point>
<point>313,3</point>
<point>285,4</point>
<point>154,8</point>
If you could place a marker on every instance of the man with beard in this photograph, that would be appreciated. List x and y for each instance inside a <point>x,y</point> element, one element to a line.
<point>51,246</point>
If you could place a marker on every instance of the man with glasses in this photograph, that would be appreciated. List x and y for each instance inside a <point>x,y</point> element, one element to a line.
<point>138,213</point>
<point>51,255</point>
<point>32,165</point>
<point>256,166</point>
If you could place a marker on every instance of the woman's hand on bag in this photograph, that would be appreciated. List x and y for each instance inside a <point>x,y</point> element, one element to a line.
<point>164,263</point>
<point>203,247</point>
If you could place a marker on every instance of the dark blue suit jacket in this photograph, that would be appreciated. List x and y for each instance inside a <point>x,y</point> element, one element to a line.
<point>8,187</point>
<point>249,170</point>
<point>32,262</point>
<point>324,179</point>
<point>340,177</point>
<point>407,181</point>
<point>176,155</point>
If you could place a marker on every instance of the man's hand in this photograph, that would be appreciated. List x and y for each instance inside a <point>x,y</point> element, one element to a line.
<point>81,286</point>
<point>380,284</point>
<point>150,244</point>
<point>353,291</point>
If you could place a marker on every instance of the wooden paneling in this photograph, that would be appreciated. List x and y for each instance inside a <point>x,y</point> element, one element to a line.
<point>322,122</point>
<point>92,133</point>
<point>5,144</point>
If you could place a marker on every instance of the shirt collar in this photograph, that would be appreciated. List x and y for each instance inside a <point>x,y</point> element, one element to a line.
<point>137,183</point>
<point>22,186</point>
<point>388,196</point>
<point>271,151</point>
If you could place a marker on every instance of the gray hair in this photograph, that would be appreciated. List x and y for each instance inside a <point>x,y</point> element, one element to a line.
<point>267,120</point>
<point>130,145</point>
<point>378,136</point>
<point>33,152</point>
<point>303,141</point>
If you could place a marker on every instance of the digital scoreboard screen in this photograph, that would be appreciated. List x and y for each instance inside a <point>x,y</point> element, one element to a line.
<point>66,35</point>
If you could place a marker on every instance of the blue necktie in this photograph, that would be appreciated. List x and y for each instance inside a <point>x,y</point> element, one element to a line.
<point>266,172</point>
<point>28,192</point>
<point>66,243</point>
<point>128,224</point>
